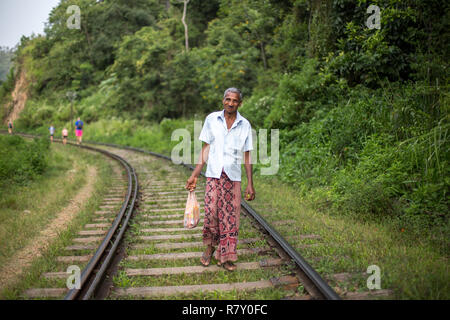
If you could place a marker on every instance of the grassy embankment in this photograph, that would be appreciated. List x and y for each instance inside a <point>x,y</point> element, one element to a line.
<point>414,267</point>
<point>28,208</point>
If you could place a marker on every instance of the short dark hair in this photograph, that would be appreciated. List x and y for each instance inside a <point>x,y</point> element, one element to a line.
<point>234,90</point>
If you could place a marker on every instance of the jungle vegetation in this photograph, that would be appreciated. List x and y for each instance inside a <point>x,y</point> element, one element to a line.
<point>363,111</point>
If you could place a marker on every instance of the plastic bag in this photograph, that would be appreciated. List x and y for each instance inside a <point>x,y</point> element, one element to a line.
<point>192,211</point>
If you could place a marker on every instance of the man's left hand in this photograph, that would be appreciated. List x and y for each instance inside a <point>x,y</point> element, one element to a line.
<point>250,193</point>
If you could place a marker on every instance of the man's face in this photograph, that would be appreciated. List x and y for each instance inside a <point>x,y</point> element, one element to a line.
<point>231,102</point>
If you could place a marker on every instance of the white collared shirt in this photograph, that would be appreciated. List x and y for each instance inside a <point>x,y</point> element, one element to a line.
<point>226,146</point>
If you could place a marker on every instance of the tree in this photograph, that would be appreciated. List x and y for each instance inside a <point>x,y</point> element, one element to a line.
<point>183,19</point>
<point>6,55</point>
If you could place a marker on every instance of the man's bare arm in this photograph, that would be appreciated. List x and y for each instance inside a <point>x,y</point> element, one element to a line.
<point>203,157</point>
<point>250,190</point>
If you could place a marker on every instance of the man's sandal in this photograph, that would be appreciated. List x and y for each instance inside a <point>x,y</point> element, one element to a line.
<point>205,260</point>
<point>229,266</point>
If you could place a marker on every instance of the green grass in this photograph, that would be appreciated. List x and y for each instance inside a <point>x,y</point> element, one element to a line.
<point>27,209</point>
<point>415,268</point>
<point>60,190</point>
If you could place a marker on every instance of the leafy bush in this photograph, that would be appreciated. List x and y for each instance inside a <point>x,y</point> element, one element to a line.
<point>152,137</point>
<point>20,160</point>
<point>398,178</point>
<point>6,87</point>
<point>257,107</point>
<point>376,153</point>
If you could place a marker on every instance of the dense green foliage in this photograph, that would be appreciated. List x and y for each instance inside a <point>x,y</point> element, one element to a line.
<point>20,160</point>
<point>6,55</point>
<point>363,113</point>
<point>6,77</point>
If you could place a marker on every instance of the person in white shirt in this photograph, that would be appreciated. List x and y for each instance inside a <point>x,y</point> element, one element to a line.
<point>227,138</point>
<point>52,132</point>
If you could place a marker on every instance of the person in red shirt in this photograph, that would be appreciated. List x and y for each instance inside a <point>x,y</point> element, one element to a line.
<point>79,130</point>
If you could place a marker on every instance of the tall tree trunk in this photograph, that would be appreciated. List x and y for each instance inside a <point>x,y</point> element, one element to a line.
<point>310,18</point>
<point>88,39</point>
<point>186,35</point>
<point>167,5</point>
<point>263,54</point>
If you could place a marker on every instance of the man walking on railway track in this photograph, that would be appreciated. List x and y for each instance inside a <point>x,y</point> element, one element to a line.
<point>228,139</point>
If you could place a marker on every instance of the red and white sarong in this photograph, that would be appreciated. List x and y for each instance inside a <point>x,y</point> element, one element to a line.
<point>222,211</point>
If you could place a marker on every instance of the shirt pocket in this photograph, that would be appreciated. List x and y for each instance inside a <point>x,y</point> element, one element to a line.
<point>234,146</point>
<point>237,142</point>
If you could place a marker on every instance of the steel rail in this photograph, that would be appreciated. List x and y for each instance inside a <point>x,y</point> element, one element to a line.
<point>309,271</point>
<point>85,292</point>
<point>112,251</point>
<point>321,284</point>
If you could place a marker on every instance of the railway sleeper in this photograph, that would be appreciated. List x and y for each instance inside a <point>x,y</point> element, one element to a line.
<point>286,282</point>
<point>200,269</point>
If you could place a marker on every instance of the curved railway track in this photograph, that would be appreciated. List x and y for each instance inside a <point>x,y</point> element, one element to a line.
<point>158,243</point>
<point>157,258</point>
<point>91,281</point>
<point>108,227</point>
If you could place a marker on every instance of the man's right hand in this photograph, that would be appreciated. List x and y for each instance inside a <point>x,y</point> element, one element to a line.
<point>191,183</point>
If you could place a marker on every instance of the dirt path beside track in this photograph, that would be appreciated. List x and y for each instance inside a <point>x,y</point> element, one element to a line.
<point>11,272</point>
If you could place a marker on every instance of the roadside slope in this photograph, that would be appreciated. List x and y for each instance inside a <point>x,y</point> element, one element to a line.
<point>19,97</point>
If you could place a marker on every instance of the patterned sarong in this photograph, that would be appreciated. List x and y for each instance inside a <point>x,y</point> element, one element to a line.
<point>222,211</point>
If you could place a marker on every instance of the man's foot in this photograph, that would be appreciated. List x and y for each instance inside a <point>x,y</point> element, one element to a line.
<point>229,266</point>
<point>205,260</point>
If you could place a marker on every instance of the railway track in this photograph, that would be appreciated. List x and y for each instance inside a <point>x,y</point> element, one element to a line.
<point>161,258</point>
<point>97,244</point>
<point>136,246</point>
